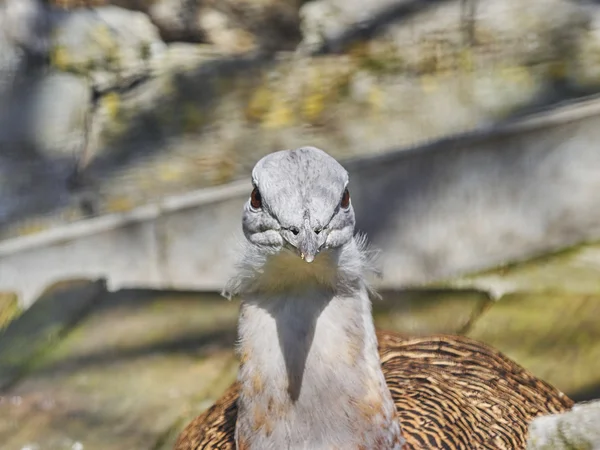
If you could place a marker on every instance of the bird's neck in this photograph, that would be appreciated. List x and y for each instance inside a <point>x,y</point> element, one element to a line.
<point>310,372</point>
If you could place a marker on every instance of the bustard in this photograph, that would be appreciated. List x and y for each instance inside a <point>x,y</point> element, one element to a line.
<point>314,374</point>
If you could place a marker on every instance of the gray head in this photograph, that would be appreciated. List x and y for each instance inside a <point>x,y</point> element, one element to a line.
<point>301,202</point>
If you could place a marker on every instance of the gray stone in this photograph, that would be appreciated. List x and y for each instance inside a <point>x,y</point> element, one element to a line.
<point>573,270</point>
<point>26,24</point>
<point>323,20</point>
<point>12,62</point>
<point>232,26</point>
<point>177,20</point>
<point>110,45</point>
<point>58,107</point>
<point>438,37</point>
<point>24,27</point>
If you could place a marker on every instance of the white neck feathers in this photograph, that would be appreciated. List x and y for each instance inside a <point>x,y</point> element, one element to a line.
<point>310,373</point>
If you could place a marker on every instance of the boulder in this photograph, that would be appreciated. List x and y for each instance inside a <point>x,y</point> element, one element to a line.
<point>232,26</point>
<point>111,46</point>
<point>57,128</point>
<point>440,37</point>
<point>25,24</point>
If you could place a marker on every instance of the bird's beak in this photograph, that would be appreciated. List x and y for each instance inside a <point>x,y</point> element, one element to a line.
<point>308,244</point>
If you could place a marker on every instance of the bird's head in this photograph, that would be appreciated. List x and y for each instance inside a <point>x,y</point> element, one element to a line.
<point>300,202</point>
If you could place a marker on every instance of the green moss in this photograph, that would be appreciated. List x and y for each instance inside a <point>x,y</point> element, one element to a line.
<point>430,311</point>
<point>59,57</point>
<point>145,51</point>
<point>194,117</point>
<point>111,103</point>
<point>381,60</point>
<point>9,308</point>
<point>556,336</point>
<point>260,103</point>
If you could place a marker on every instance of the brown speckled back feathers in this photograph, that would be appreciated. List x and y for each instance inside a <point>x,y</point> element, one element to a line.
<point>450,392</point>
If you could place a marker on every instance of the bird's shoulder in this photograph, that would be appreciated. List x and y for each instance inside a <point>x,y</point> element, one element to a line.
<point>455,392</point>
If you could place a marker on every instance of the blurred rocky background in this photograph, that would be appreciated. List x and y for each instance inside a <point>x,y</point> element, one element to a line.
<point>109,106</point>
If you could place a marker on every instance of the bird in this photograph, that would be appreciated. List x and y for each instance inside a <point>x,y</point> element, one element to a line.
<point>314,372</point>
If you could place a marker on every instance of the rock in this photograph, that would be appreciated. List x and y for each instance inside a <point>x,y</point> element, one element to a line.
<point>26,24</point>
<point>24,28</point>
<point>539,329</point>
<point>454,35</point>
<point>583,70</point>
<point>233,26</point>
<point>270,24</point>
<point>178,117</point>
<point>137,5</point>
<point>110,45</point>
<point>574,430</point>
<point>221,31</point>
<point>570,271</point>
<point>187,126</point>
<point>57,128</point>
<point>424,311</point>
<point>12,64</point>
<point>41,138</point>
<point>325,20</point>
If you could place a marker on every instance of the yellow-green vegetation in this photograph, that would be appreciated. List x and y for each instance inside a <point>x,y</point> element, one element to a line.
<point>584,60</point>
<point>260,103</point>
<point>111,103</point>
<point>30,227</point>
<point>301,93</point>
<point>377,57</point>
<point>9,308</point>
<point>62,59</point>
<point>430,311</point>
<point>324,87</point>
<point>145,51</point>
<point>119,204</point>
<point>101,36</point>
<point>556,336</point>
<point>194,117</point>
<point>549,318</point>
<point>59,58</point>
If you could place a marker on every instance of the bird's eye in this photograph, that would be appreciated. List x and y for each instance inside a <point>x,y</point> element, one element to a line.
<point>256,199</point>
<point>345,199</point>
